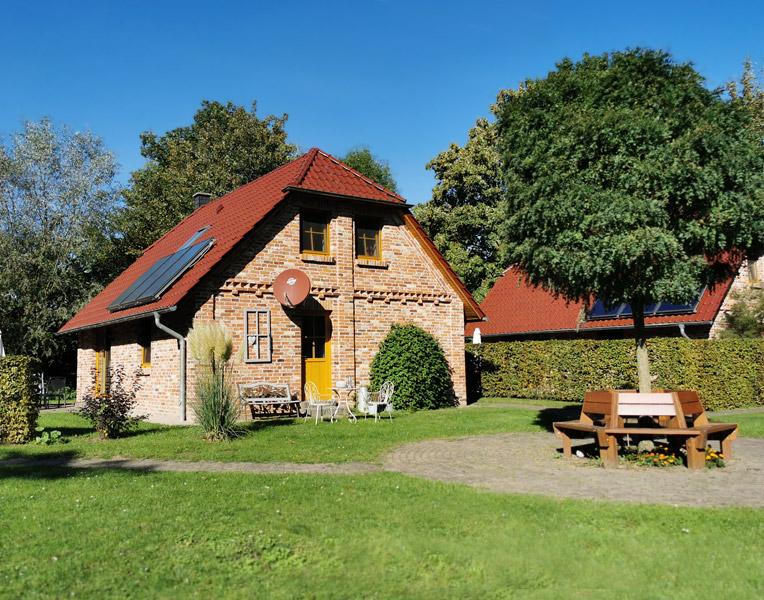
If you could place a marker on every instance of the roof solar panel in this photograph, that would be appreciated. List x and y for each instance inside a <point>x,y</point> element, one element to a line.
<point>162,274</point>
<point>601,311</point>
<point>668,308</point>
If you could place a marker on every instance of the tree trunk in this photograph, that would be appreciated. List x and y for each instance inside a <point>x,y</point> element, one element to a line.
<point>643,360</point>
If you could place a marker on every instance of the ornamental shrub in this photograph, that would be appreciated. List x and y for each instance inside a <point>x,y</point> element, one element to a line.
<point>18,399</point>
<point>414,361</point>
<point>727,373</point>
<point>112,414</point>
<point>216,405</point>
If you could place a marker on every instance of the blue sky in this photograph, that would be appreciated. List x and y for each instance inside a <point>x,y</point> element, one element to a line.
<point>404,78</point>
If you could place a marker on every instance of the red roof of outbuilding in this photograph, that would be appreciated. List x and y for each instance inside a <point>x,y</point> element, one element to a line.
<point>515,307</point>
<point>229,219</point>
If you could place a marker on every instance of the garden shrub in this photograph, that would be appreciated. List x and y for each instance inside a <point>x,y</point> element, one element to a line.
<point>728,373</point>
<point>112,414</point>
<point>18,399</point>
<point>414,361</point>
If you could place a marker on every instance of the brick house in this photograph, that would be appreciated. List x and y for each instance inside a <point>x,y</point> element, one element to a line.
<point>516,310</point>
<point>369,263</point>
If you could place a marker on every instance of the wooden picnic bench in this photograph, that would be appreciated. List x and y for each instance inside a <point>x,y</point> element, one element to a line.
<point>605,416</point>
<point>596,414</point>
<point>273,399</point>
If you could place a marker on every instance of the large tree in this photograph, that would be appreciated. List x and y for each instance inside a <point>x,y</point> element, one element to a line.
<point>225,147</point>
<point>57,196</point>
<point>630,181</point>
<point>376,169</point>
<point>467,213</point>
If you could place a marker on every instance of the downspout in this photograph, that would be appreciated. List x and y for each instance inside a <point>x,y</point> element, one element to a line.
<point>682,331</point>
<point>182,370</point>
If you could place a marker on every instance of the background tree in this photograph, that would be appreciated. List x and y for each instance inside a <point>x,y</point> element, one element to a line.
<point>225,147</point>
<point>57,197</point>
<point>628,180</point>
<point>376,169</point>
<point>467,213</point>
<point>749,93</point>
<point>746,317</point>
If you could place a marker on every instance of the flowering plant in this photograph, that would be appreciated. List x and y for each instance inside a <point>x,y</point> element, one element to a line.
<point>714,459</point>
<point>661,456</point>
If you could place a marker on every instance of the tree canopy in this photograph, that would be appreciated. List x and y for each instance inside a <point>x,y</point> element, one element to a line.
<point>376,169</point>
<point>57,197</point>
<point>467,213</point>
<point>629,180</point>
<point>225,147</point>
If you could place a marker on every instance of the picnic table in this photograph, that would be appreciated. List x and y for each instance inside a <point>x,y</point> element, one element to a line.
<point>607,416</point>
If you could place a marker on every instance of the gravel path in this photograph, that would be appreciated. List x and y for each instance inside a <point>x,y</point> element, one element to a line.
<point>529,463</point>
<point>133,464</point>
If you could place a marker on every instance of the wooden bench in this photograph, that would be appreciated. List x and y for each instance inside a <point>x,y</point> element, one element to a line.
<point>696,417</point>
<point>596,414</point>
<point>670,415</point>
<point>269,397</point>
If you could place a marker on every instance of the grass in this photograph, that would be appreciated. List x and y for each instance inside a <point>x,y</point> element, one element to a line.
<point>284,440</point>
<point>751,424</point>
<point>117,534</point>
<point>487,401</point>
<point>300,441</point>
<point>162,535</point>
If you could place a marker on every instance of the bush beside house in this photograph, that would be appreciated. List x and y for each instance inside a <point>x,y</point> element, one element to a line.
<point>727,373</point>
<point>414,361</point>
<point>18,407</point>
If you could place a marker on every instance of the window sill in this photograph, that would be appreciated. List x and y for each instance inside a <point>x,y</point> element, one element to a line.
<point>372,263</point>
<point>325,259</point>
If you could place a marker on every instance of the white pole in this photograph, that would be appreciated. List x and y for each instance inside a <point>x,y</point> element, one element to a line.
<point>2,349</point>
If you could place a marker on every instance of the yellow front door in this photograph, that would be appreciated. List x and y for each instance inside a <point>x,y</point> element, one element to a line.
<point>317,353</point>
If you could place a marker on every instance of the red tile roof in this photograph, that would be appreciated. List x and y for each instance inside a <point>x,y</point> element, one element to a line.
<point>229,219</point>
<point>515,307</point>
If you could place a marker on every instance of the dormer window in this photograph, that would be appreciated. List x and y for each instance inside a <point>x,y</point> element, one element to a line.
<point>314,233</point>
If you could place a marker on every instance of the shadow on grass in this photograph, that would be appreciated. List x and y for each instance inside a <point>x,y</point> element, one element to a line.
<point>546,416</point>
<point>20,465</point>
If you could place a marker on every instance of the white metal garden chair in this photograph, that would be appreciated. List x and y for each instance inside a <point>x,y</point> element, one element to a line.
<point>316,403</point>
<point>381,401</point>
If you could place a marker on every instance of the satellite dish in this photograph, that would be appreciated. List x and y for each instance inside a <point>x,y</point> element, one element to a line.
<point>291,287</point>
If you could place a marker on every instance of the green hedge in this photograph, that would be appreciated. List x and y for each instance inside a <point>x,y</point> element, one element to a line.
<point>18,409</point>
<point>727,373</point>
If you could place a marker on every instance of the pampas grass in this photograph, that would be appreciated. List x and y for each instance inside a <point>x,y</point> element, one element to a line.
<point>210,343</point>
<point>216,406</point>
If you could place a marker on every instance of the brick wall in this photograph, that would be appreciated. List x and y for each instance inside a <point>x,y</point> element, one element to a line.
<point>741,283</point>
<point>363,302</point>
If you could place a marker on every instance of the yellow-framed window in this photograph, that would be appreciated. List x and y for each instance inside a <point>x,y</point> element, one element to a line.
<point>368,240</point>
<point>144,341</point>
<point>314,233</point>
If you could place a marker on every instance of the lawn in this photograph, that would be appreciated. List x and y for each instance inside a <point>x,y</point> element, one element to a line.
<point>284,440</point>
<point>303,441</point>
<point>107,534</point>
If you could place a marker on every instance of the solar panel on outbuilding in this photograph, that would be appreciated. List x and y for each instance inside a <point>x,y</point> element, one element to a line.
<point>654,309</point>
<point>601,311</point>
<point>163,273</point>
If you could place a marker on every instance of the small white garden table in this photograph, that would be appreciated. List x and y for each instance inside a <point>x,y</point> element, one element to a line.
<point>343,400</point>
